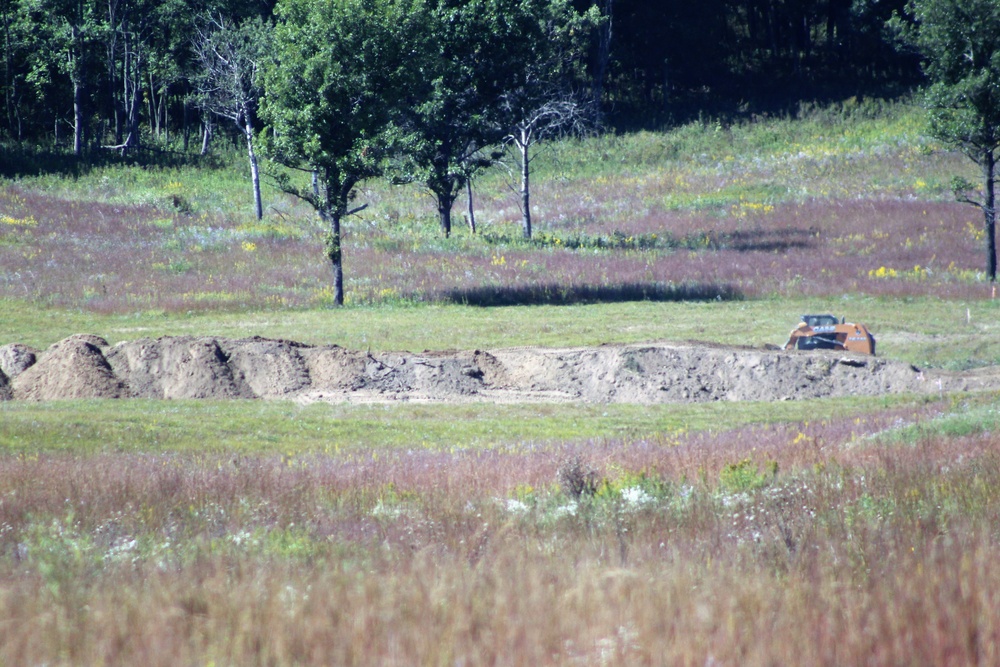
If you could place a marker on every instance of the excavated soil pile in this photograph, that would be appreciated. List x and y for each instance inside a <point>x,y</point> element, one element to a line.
<point>72,368</point>
<point>86,366</point>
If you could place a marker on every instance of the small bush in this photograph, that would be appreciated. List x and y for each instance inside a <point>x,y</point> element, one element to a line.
<point>744,476</point>
<point>577,478</point>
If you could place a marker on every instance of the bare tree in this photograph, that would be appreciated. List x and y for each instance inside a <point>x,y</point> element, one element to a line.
<point>546,100</point>
<point>471,164</point>
<point>563,115</point>
<point>227,86</point>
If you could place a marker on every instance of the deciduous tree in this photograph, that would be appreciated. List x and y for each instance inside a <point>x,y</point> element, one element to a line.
<point>960,44</point>
<point>65,38</point>
<point>331,94</point>
<point>471,53</point>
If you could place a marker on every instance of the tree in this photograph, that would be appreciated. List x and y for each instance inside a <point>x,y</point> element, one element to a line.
<point>133,23</point>
<point>960,43</point>
<point>534,125</point>
<point>471,54</point>
<point>15,53</point>
<point>330,97</point>
<point>545,99</point>
<point>65,37</point>
<point>228,84</point>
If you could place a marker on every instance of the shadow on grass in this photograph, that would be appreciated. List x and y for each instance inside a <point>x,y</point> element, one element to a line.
<point>565,295</point>
<point>773,240</point>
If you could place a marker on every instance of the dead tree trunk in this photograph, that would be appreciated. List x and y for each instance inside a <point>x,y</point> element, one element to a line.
<point>206,133</point>
<point>254,169</point>
<point>525,145</point>
<point>76,69</point>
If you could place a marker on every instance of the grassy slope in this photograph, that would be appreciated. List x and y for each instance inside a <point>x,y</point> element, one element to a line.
<point>703,178</point>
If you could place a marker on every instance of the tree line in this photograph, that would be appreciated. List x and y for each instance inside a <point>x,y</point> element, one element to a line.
<point>84,73</point>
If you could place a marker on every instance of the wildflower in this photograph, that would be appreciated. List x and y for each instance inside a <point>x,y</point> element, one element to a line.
<point>18,222</point>
<point>636,497</point>
<point>515,506</point>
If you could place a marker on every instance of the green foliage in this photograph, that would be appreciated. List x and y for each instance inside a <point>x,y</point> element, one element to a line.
<point>290,543</point>
<point>960,42</point>
<point>61,551</point>
<point>336,76</point>
<point>618,240</point>
<point>967,418</point>
<point>479,67</point>
<point>745,476</point>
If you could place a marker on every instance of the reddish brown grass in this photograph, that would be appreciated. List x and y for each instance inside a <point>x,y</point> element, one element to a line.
<point>856,551</point>
<point>124,259</point>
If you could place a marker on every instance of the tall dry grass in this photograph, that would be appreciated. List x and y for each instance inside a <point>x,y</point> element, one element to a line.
<point>813,543</point>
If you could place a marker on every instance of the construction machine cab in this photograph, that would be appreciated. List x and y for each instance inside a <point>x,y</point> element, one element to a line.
<point>821,320</point>
<point>826,332</point>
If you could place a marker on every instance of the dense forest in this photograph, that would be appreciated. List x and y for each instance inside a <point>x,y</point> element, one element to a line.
<point>85,75</point>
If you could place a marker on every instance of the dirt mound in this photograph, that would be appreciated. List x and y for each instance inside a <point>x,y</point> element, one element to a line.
<point>182,367</point>
<point>16,358</point>
<point>84,366</point>
<point>72,368</point>
<point>690,373</point>
<point>267,368</point>
<point>339,374</point>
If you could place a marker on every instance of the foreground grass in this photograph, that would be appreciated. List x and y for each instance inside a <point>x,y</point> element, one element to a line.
<point>251,427</point>
<point>849,540</point>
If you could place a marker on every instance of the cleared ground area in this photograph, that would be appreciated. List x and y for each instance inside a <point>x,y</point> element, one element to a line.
<point>86,366</point>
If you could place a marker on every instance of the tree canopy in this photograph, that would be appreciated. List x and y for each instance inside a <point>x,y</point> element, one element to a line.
<point>469,55</point>
<point>85,74</point>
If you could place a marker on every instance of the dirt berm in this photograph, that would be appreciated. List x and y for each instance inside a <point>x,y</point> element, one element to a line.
<point>86,366</point>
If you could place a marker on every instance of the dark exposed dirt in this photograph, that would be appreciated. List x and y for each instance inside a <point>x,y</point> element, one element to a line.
<point>86,366</point>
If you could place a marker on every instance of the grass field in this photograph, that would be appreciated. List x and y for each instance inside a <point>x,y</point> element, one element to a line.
<point>828,532</point>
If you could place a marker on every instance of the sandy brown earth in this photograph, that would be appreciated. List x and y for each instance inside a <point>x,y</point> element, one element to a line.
<point>86,366</point>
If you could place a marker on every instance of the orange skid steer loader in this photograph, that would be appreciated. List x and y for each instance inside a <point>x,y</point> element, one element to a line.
<point>826,332</point>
